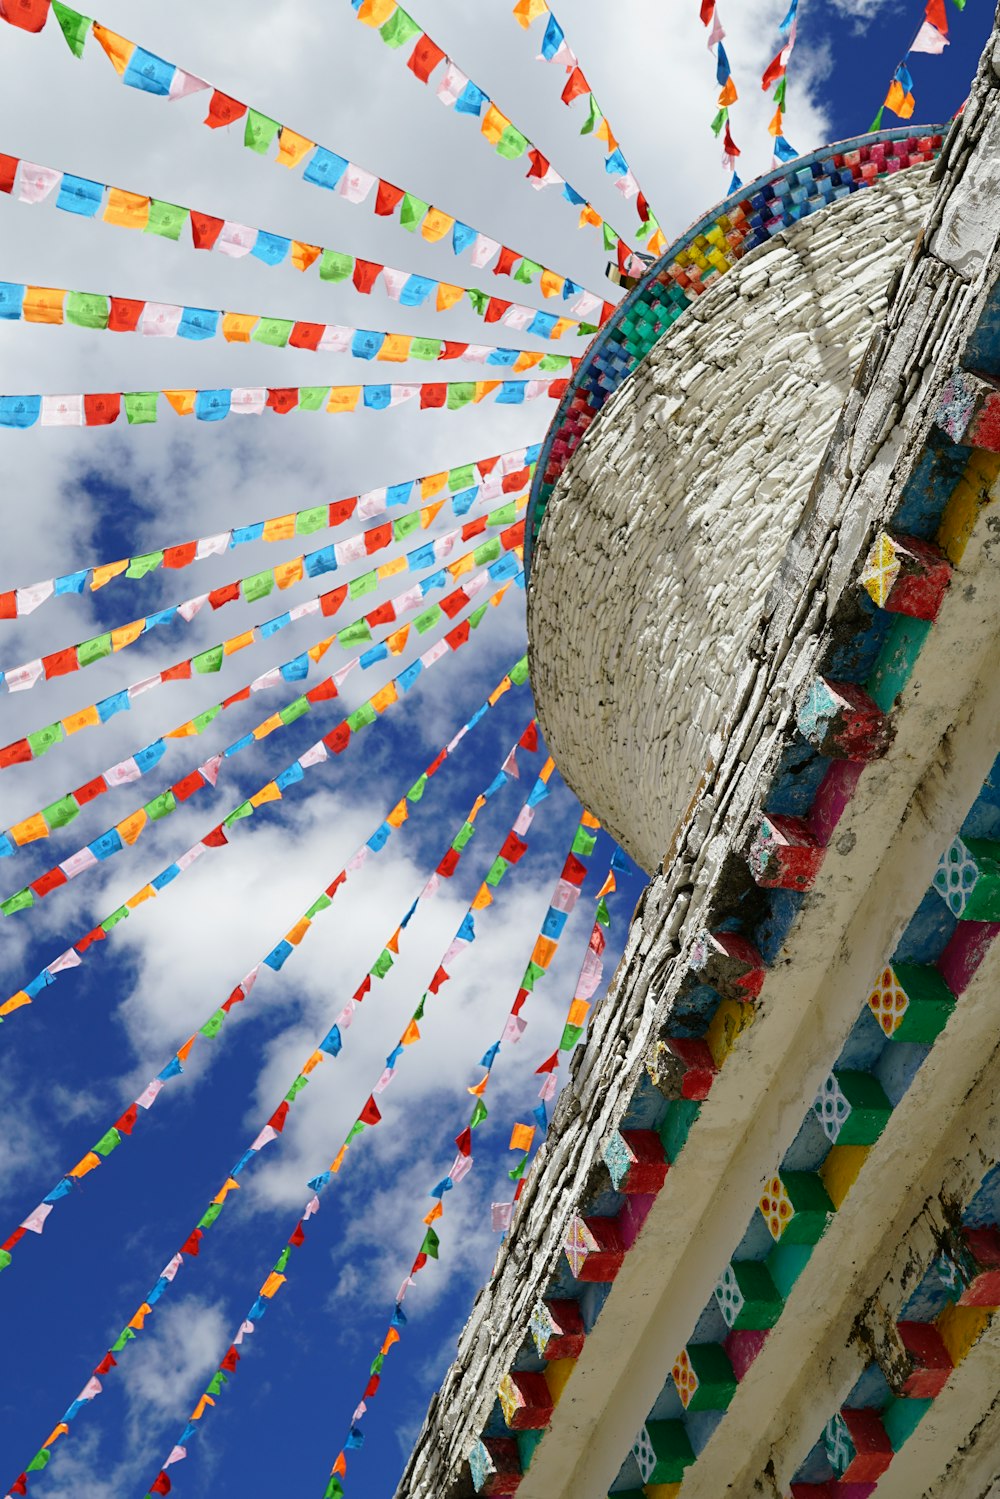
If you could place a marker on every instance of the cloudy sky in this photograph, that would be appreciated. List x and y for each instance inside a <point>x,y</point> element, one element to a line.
<point>72,498</point>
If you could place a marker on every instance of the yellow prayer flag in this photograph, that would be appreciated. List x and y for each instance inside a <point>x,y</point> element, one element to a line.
<point>399,814</point>
<point>267,727</point>
<point>312,1063</point>
<point>448,295</point>
<point>303,255</point>
<point>563,324</point>
<point>231,1185</point>
<point>15,1002</point>
<point>384,697</point>
<point>376,12</point>
<point>397,640</point>
<point>106,572</point>
<point>395,348</point>
<point>118,48</point>
<point>42,304</point>
<point>269,793</point>
<point>494,124</point>
<point>27,831</point>
<point>84,718</point>
<point>130,827</point>
<point>390,569</point>
<point>431,485</point>
<point>279,527</point>
<point>436,225</point>
<point>526,361</point>
<point>238,326</point>
<point>463,564</point>
<point>237,643</point>
<point>578,1011</point>
<point>590,216</point>
<point>82,1167</point>
<point>298,931</point>
<point>287,573</point>
<point>521,1137</point>
<point>200,1408</point>
<point>292,147</point>
<point>498,692</point>
<point>127,634</point>
<point>526,11</point>
<point>127,210</point>
<point>181,400</point>
<point>484,388</point>
<point>148,892</point>
<point>344,398</point>
<point>185,731</point>
<point>318,651</point>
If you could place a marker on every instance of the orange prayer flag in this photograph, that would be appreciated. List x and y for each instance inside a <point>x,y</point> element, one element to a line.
<point>199,1409</point>
<point>578,1011</point>
<point>303,255</point>
<point>313,1062</point>
<point>185,731</point>
<point>604,132</point>
<point>480,1088</point>
<point>27,831</point>
<point>384,697</point>
<point>526,361</point>
<point>436,1212</point>
<point>391,569</point>
<point>298,931</point>
<point>280,527</point>
<point>127,210</point>
<point>118,48</point>
<point>88,1163</point>
<point>184,1051</point>
<point>340,1466</point>
<point>269,793</point>
<point>395,348</point>
<point>126,634</point>
<point>148,892</point>
<point>140,1316</point>
<point>376,12</point>
<point>318,651</point>
<point>338,1159</point>
<point>448,295</point>
<point>526,11</point>
<point>485,388</point>
<point>563,324</point>
<point>477,807</point>
<point>292,147</point>
<point>238,326</point>
<point>15,1002</point>
<point>237,643</point>
<point>267,727</point>
<point>521,1137</point>
<point>589,820</point>
<point>130,827</point>
<point>728,94</point>
<point>287,573</point>
<point>899,101</point>
<point>429,514</point>
<point>392,1336</point>
<point>431,485</point>
<point>494,124</point>
<point>436,225</point>
<point>230,1185</point>
<point>590,216</point>
<point>84,718</point>
<point>399,814</point>
<point>544,951</point>
<point>55,1434</point>
<point>272,1285</point>
<point>43,304</point>
<point>393,942</point>
<point>608,886</point>
<point>482,899</point>
<point>775,126</point>
<point>410,1035</point>
<point>181,400</point>
<point>344,398</point>
<point>397,640</point>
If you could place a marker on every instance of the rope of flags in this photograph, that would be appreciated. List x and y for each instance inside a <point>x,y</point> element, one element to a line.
<point>250,589</point>
<point>155,76</point>
<point>126,832</point>
<point>217,837</point>
<point>462,488</point>
<point>556,49</point>
<point>561,903</point>
<point>103,409</point>
<point>97,311</point>
<point>456,91</point>
<point>368,1118</point>
<point>727,90</point>
<point>331,1046</point>
<point>931,37</point>
<point>276,957</point>
<point>29,182</point>
<point>777,72</point>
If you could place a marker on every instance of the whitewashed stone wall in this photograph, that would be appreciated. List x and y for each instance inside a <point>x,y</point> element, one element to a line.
<point>663,536</point>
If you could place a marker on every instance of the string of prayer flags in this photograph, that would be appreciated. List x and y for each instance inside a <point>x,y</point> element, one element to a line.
<point>561,903</point>
<point>931,38</point>
<point>275,959</point>
<point>461,487</point>
<point>458,92</point>
<point>103,409</point>
<point>127,831</point>
<point>32,183</point>
<point>331,1046</point>
<point>727,90</point>
<point>777,72</point>
<point>217,837</point>
<point>556,49</point>
<point>155,76</point>
<point>249,589</point>
<point>57,307</point>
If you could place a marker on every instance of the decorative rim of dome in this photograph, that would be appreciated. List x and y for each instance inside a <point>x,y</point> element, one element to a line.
<point>678,278</point>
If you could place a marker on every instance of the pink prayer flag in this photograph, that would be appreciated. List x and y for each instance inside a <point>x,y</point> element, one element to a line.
<point>929,39</point>
<point>500,1216</point>
<point>35,1221</point>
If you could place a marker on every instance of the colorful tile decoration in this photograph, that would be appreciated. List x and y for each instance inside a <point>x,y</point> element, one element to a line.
<point>844,713</point>
<point>713,245</point>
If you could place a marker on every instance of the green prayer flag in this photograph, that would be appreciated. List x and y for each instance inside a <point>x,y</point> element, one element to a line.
<point>356,633</point>
<point>399,29</point>
<point>477,616</point>
<point>334,1489</point>
<point>518,1170</point>
<point>238,813</point>
<point>417,790</point>
<point>527,270</point>
<point>87,309</point>
<point>479,299</point>
<point>39,1461</point>
<point>720,120</point>
<point>258,585</point>
<point>313,519</point>
<point>479,1113</point>
<point>583,843</point>
<point>553,362</point>
<point>5,1258</point>
<point>586,330</point>
<point>293,1093</point>
<point>58,814</point>
<point>293,710</point>
<point>273,330</point>
<point>460,393</point>
<point>361,717</point>
<point>335,266</point>
<point>465,832</point>
<point>425,348</point>
<point>603,917</point>
<point>218,1378</point>
<point>202,720</point>
<point>779,93</point>
<point>431,1245</point>
<point>532,974</point>
<point>43,739</point>
<point>366,583</point>
<point>376,1364</point>
<point>110,922</point>
<point>213,1024</point>
<point>315,397</point>
<point>505,515</point>
<point>498,869</point>
<point>354,1131</point>
<point>73,26</point>
<point>405,525</point>
<point>570,1036</point>
<point>208,661</point>
<point>108,1142</point>
<point>519,671</point>
<point>161,806</point>
<point>93,650</point>
<point>593,118</point>
<point>259,131</point>
<point>147,562</point>
<point>166,219</point>
<point>140,407</point>
<point>20,901</point>
<point>412,211</point>
<point>876,124</point>
<point>210,1214</point>
<point>512,143</point>
<point>487,551</point>
<point>427,619</point>
<point>382,964</point>
<point>126,1335</point>
<point>282,1261</point>
<point>418,1013</point>
<point>463,477</point>
<point>610,238</point>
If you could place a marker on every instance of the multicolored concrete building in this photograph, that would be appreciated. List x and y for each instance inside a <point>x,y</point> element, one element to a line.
<point>759,1252</point>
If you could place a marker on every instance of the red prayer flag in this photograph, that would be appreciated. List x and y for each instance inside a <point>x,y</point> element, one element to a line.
<point>529,739</point>
<point>283,399</point>
<point>418,1263</point>
<point>520,479</point>
<point>179,672</point>
<point>341,510</point>
<point>188,785</point>
<point>506,261</point>
<point>474,527</point>
<point>464,1141</point>
<point>707,12</point>
<point>216,838</point>
<point>60,663</point>
<point>385,614</point>
<point>323,692</point>
<point>449,864</point>
<point>161,1483</point>
<point>365,987</point>
<point>539,164</point>
<point>432,396</point>
<point>459,635</point>
<point>8,604</point>
<point>127,1121</point>
<point>205,229</point>
<point>387,198</point>
<point>100,410</point>
<point>495,310</point>
<point>18,753</point>
<point>298,1237</point>
<point>729,145</point>
<point>576,85</point>
<point>306,335</point>
<point>277,1119</point>
<point>440,977</point>
<point>574,871</point>
<point>8,171</point>
<point>223,110</point>
<point>231,1359</point>
<point>371,1388</point>
<point>192,1244</point>
<point>108,1362</point>
<point>180,556</point>
<point>424,58</point>
<point>451,350</point>
<point>454,603</point>
<point>377,537</point>
<point>514,848</point>
<point>437,762</point>
<point>366,273</point>
<point>51,880</point>
<point>125,314</point>
<point>776,67</point>
<point>91,789</point>
<point>550,1064</point>
<point>227,594</point>
<point>29,15</point>
<point>336,740</point>
<point>330,602</point>
<point>642,208</point>
<point>370,1114</point>
<point>937,15</point>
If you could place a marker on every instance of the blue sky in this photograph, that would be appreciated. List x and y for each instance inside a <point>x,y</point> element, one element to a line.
<point>84,1050</point>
